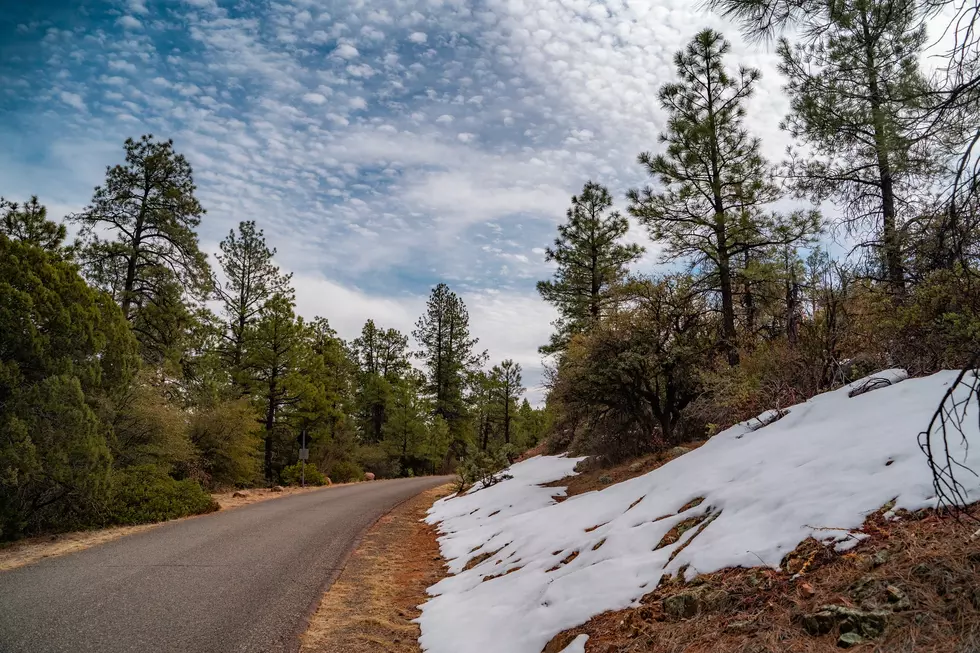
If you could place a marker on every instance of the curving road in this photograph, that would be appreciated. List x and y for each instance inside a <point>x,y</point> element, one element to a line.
<point>242,580</point>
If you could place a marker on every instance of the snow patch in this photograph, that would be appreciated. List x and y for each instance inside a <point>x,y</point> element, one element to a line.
<point>817,471</point>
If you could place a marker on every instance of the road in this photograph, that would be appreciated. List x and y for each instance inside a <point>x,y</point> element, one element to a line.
<point>237,581</point>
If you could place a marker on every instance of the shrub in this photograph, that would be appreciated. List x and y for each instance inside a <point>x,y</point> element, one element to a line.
<point>144,494</point>
<point>293,475</point>
<point>345,471</point>
<point>484,467</point>
<point>226,435</point>
<point>374,459</point>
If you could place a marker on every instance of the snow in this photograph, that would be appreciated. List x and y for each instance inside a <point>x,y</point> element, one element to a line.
<point>816,471</point>
<point>577,645</point>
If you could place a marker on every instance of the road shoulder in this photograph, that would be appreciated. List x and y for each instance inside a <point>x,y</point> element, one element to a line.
<point>371,605</point>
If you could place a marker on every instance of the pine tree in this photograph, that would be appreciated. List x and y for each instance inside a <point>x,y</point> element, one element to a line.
<point>251,279</point>
<point>508,389</point>
<point>149,214</point>
<point>275,353</point>
<point>715,183</point>
<point>856,90</point>
<point>382,355</point>
<point>29,224</point>
<point>446,350</point>
<point>590,260</point>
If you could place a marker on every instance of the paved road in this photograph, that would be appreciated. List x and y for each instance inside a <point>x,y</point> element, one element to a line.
<point>244,580</point>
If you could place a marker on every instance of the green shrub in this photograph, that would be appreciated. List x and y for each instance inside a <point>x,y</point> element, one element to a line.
<point>484,467</point>
<point>344,471</point>
<point>144,494</point>
<point>293,475</point>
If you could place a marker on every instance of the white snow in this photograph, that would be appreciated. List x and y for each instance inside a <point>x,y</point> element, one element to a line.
<point>816,471</point>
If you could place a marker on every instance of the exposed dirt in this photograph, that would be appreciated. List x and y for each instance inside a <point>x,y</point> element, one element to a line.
<point>370,606</point>
<point>920,576</point>
<point>33,549</point>
<point>597,478</point>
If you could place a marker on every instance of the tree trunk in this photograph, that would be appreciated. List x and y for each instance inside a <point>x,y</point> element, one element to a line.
<point>729,334</point>
<point>891,239</point>
<point>270,423</point>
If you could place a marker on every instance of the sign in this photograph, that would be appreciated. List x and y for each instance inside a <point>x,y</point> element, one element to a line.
<point>304,454</point>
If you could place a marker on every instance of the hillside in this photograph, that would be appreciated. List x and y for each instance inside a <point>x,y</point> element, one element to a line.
<point>526,568</point>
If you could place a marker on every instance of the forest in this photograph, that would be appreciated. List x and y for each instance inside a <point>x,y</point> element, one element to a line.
<point>136,377</point>
<point>872,264</point>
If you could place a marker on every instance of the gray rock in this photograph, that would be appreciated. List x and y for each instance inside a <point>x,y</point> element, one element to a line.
<point>880,558</point>
<point>636,468</point>
<point>677,451</point>
<point>605,480</point>
<point>240,494</point>
<point>866,623</point>
<point>847,640</point>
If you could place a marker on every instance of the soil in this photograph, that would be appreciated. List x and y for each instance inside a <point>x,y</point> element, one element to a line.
<point>371,605</point>
<point>922,573</point>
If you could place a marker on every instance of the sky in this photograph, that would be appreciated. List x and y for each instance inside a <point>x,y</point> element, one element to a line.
<point>383,146</point>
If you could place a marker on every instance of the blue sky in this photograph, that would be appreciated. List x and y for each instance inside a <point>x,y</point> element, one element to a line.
<point>383,146</point>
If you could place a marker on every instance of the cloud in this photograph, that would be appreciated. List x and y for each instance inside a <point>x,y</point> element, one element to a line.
<point>314,98</point>
<point>129,22</point>
<point>346,51</point>
<point>418,37</point>
<point>73,100</point>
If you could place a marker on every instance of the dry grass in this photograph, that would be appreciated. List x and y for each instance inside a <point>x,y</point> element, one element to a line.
<point>370,607</point>
<point>34,549</point>
<point>928,581</point>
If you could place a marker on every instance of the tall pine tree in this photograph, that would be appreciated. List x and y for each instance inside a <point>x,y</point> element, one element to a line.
<point>856,90</point>
<point>446,350</point>
<point>251,279</point>
<point>141,221</point>
<point>714,181</point>
<point>591,259</point>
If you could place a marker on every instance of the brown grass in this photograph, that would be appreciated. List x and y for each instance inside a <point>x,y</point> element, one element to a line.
<point>931,561</point>
<point>34,549</point>
<point>370,606</point>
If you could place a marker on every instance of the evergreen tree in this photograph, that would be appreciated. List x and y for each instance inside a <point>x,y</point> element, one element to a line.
<point>382,355</point>
<point>148,213</point>
<point>446,350</point>
<point>508,389</point>
<point>715,183</point>
<point>251,279</point>
<point>29,224</point>
<point>856,91</point>
<point>275,353</point>
<point>590,260</point>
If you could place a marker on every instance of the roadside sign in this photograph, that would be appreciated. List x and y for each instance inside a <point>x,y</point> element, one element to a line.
<point>304,454</point>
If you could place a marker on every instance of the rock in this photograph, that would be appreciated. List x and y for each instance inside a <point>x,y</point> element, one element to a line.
<point>275,488</point>
<point>806,589</point>
<point>716,600</point>
<point>677,451</point>
<point>240,494</point>
<point>897,598</point>
<point>605,479</point>
<point>869,624</point>
<point>880,558</point>
<point>369,476</point>
<point>559,642</point>
<point>847,640</point>
<point>819,623</point>
<point>683,605</point>
<point>636,468</point>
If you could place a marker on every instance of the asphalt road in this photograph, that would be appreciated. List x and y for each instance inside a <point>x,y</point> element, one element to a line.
<point>242,580</point>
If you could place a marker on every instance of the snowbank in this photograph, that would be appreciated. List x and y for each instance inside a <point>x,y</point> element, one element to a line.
<point>816,471</point>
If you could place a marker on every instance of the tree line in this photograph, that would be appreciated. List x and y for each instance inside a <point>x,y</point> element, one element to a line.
<point>761,316</point>
<point>134,377</point>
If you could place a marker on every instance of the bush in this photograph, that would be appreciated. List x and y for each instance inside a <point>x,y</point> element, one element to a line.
<point>144,494</point>
<point>293,475</point>
<point>484,467</point>
<point>226,435</point>
<point>345,471</point>
<point>374,459</point>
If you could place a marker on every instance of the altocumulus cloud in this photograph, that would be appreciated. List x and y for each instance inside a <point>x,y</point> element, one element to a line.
<point>383,147</point>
